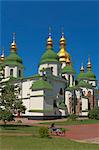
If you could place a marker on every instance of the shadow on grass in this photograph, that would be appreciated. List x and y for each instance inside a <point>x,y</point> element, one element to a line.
<point>13,127</point>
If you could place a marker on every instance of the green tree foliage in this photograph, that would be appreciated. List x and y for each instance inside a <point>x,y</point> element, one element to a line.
<point>9,101</point>
<point>43,132</point>
<point>94,113</point>
<point>6,115</point>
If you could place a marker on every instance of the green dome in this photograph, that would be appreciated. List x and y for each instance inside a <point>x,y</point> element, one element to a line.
<point>68,69</point>
<point>90,75</point>
<point>81,75</point>
<point>13,59</point>
<point>49,56</point>
<point>84,84</point>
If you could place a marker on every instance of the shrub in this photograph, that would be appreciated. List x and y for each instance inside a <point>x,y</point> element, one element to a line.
<point>63,130</point>
<point>43,132</point>
<point>73,117</point>
<point>94,113</point>
<point>19,121</point>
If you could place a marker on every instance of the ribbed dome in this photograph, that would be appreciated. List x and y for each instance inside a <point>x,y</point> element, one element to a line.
<point>84,84</point>
<point>81,75</point>
<point>90,75</point>
<point>49,56</point>
<point>13,59</point>
<point>68,69</point>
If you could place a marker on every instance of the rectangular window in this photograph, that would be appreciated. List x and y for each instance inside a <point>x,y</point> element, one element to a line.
<point>11,72</point>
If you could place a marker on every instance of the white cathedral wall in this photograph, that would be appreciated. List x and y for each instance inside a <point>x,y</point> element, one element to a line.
<point>36,103</point>
<point>71,80</point>
<point>84,106</point>
<point>55,68</point>
<point>28,103</point>
<point>63,64</point>
<point>78,94</point>
<point>15,71</point>
<point>85,91</point>
<point>98,102</point>
<point>66,75</point>
<point>68,94</point>
<point>72,83</point>
<point>7,71</point>
<point>93,83</point>
<point>26,91</point>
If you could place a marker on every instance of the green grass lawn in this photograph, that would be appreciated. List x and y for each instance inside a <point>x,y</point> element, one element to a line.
<point>19,129</point>
<point>34,142</point>
<point>37,143</point>
<point>70,122</point>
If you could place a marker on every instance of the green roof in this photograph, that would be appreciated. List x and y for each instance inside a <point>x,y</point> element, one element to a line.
<point>41,84</point>
<point>49,56</point>
<point>90,75</point>
<point>13,59</point>
<point>62,106</point>
<point>68,69</point>
<point>72,88</point>
<point>84,84</point>
<point>81,75</point>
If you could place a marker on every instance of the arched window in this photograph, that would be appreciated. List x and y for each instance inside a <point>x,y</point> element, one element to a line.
<point>61,91</point>
<point>11,72</point>
<point>19,73</point>
<point>54,104</point>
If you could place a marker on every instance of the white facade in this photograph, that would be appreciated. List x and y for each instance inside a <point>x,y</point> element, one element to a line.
<point>59,89</point>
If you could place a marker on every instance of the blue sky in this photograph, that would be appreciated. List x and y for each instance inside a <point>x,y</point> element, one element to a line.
<point>31,20</point>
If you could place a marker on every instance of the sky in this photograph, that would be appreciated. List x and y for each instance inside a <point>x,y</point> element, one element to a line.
<point>31,20</point>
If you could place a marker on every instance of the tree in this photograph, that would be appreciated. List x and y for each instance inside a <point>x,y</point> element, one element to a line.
<point>6,116</point>
<point>9,101</point>
<point>94,113</point>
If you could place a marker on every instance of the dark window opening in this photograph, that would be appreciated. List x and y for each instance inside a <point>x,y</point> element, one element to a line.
<point>54,104</point>
<point>19,73</point>
<point>61,91</point>
<point>11,72</point>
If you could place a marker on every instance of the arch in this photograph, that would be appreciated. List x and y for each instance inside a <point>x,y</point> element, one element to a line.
<point>11,72</point>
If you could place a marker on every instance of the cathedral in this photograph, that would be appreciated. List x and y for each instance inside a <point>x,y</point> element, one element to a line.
<point>56,90</point>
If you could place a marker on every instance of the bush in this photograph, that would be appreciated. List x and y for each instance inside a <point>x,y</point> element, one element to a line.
<point>94,113</point>
<point>73,117</point>
<point>63,130</point>
<point>44,132</point>
<point>19,121</point>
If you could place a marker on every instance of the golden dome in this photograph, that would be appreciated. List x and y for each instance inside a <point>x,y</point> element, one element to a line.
<point>89,66</point>
<point>62,40</point>
<point>82,68</point>
<point>68,60</point>
<point>62,53</point>
<point>13,44</point>
<point>49,40</point>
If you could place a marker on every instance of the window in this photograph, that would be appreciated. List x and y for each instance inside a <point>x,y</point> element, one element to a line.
<point>52,69</point>
<point>11,72</point>
<point>54,104</point>
<point>61,91</point>
<point>19,73</point>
